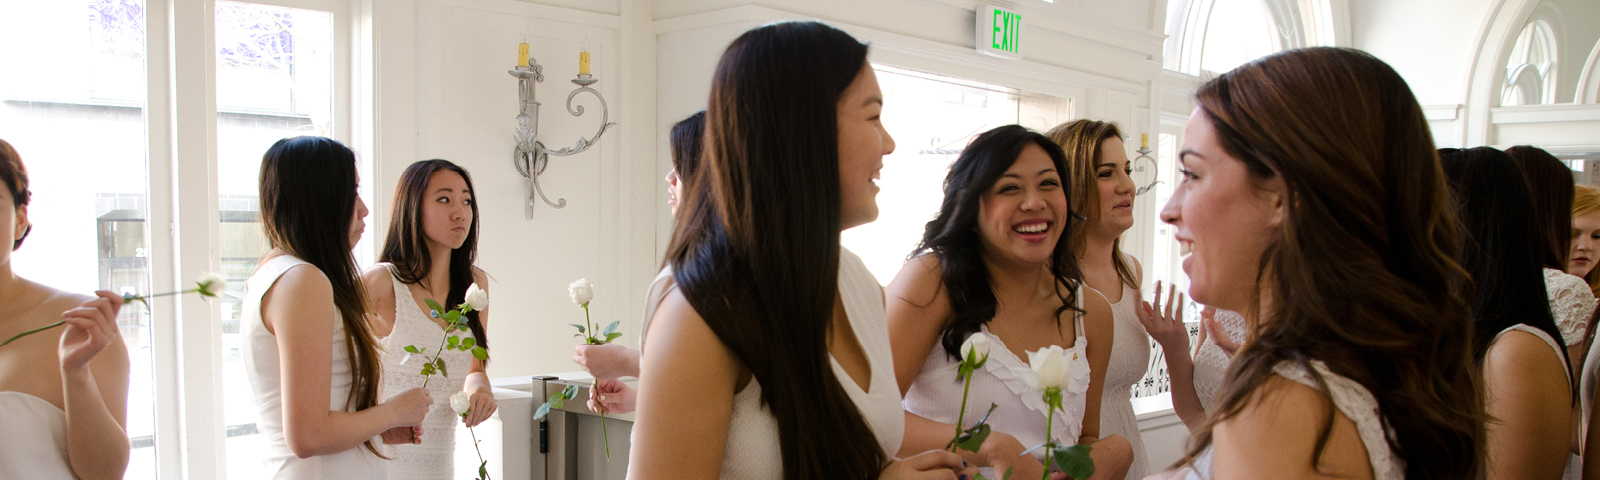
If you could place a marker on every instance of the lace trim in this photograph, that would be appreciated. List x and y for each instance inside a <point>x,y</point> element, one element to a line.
<point>1571,302</point>
<point>1074,395</point>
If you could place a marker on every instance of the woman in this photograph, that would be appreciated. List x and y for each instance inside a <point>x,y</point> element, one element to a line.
<point>318,406</point>
<point>994,263</point>
<point>1585,236</point>
<point>1528,388</point>
<point>1314,204</point>
<point>771,357</point>
<point>1569,296</point>
<point>1098,171</point>
<point>429,254</point>
<point>64,396</point>
<point>611,361</point>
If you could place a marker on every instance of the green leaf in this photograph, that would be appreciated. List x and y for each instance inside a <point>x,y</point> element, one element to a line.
<point>554,397</point>
<point>480,353</point>
<point>972,439</point>
<point>483,470</point>
<point>412,349</point>
<point>570,392</point>
<point>1009,471</point>
<point>453,340</point>
<point>1075,461</point>
<point>433,305</point>
<point>442,370</point>
<point>468,342</point>
<point>427,369</point>
<point>612,336</point>
<point>580,327</point>
<point>612,327</point>
<point>452,316</point>
<point>543,410</point>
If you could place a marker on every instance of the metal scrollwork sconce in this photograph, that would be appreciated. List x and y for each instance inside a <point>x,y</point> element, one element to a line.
<point>532,157</point>
<point>1154,166</point>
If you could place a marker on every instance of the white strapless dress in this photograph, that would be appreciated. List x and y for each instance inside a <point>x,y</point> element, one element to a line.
<point>33,438</point>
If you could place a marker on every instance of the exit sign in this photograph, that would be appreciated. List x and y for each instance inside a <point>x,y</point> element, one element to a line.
<point>999,32</point>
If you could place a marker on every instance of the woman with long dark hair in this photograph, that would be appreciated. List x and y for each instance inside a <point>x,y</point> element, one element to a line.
<point>63,393</point>
<point>1528,390</point>
<point>429,254</point>
<point>996,263</point>
<point>1552,189</point>
<point>771,358</point>
<point>318,407</point>
<point>1314,204</point>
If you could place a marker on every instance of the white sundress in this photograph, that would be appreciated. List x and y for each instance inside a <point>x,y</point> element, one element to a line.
<point>1130,360</point>
<point>434,458</point>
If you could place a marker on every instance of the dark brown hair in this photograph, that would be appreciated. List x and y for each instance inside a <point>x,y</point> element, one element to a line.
<point>406,244</point>
<point>1362,274</point>
<point>15,176</point>
<point>1081,141</point>
<point>756,251</point>
<point>308,196</point>
<point>687,142</point>
<point>1551,185</point>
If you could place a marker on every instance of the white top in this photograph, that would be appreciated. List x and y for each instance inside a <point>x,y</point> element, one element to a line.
<point>434,458</point>
<point>1021,412</point>
<point>1211,363</point>
<point>1355,402</point>
<point>34,443</point>
<point>1130,360</point>
<point>261,364</point>
<point>1571,303</point>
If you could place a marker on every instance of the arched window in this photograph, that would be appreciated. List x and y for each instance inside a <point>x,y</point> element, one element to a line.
<point>1219,35</point>
<point>1531,67</point>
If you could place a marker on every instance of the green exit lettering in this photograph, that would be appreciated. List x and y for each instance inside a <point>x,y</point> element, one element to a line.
<point>1006,27</point>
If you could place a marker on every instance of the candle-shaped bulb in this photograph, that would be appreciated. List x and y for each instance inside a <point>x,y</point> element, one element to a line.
<point>583,62</point>
<point>1144,141</point>
<point>522,54</point>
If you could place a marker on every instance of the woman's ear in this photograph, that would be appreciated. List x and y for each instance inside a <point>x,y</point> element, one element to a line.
<point>1276,194</point>
<point>20,227</point>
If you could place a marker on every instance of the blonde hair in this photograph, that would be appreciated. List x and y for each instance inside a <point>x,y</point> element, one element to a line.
<point>1586,200</point>
<point>1081,140</point>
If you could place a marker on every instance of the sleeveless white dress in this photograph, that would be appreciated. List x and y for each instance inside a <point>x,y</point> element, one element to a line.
<point>1354,401</point>
<point>1571,303</point>
<point>753,450</point>
<point>260,355</point>
<point>1211,363</point>
<point>34,440</point>
<point>1130,359</point>
<point>1021,412</point>
<point>434,458</point>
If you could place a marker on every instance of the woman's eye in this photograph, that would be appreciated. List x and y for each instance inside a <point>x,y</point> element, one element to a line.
<point>1050,183</point>
<point>467,201</point>
<point>1187,174</point>
<point>444,200</point>
<point>1009,188</point>
<point>1128,171</point>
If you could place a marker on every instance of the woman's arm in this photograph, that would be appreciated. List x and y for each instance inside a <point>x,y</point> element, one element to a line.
<point>94,387</point>
<point>304,324</point>
<point>685,397</point>
<point>380,300</point>
<point>918,308</point>
<point>1275,434</point>
<point>1529,409</point>
<point>1000,451</point>
<point>477,382</point>
<point>1164,323</point>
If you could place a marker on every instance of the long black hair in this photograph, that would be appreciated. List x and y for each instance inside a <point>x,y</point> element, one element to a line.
<point>1551,186</point>
<point>687,142</point>
<point>406,245</point>
<point>1497,214</point>
<point>756,251</point>
<point>308,196</point>
<point>953,235</point>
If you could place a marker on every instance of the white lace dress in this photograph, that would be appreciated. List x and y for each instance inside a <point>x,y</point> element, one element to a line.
<point>1571,303</point>
<point>34,443</point>
<point>1021,412</point>
<point>1355,402</point>
<point>1130,359</point>
<point>434,458</point>
<point>1211,363</point>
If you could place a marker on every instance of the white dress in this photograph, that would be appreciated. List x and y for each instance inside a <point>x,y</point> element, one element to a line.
<point>34,442</point>
<point>434,458</point>
<point>1571,303</point>
<point>1130,359</point>
<point>1211,363</point>
<point>1355,402</point>
<point>753,451</point>
<point>260,355</point>
<point>1021,412</point>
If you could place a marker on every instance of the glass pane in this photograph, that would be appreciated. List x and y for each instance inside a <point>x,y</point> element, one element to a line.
<point>1239,31</point>
<point>274,80</point>
<point>77,118</point>
<point>931,119</point>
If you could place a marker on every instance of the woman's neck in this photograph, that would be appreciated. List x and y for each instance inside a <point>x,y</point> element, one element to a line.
<point>1019,284</point>
<point>439,272</point>
<point>1097,252</point>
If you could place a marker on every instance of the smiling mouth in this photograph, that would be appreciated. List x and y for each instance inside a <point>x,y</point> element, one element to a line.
<point>1031,228</point>
<point>1185,247</point>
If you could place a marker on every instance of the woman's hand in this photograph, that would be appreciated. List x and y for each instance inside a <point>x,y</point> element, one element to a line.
<point>409,407</point>
<point>612,396</point>
<point>402,435</point>
<point>607,361</point>
<point>929,465</point>
<point>1164,324</point>
<point>482,407</point>
<point>1213,329</point>
<point>90,329</point>
<point>1001,451</point>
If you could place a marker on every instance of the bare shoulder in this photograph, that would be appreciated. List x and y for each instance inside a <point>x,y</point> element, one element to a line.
<point>1275,435</point>
<point>1526,363</point>
<point>379,283</point>
<point>920,283</point>
<point>1096,312</point>
<point>682,343</point>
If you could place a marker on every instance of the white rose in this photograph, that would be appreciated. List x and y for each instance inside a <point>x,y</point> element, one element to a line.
<point>1048,368</point>
<point>461,402</point>
<point>477,298</point>
<point>581,291</point>
<point>975,348</point>
<point>210,284</point>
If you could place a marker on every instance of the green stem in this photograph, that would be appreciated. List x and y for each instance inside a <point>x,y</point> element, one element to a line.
<point>1049,443</point>
<point>447,329</point>
<point>31,332</point>
<point>588,326</point>
<point>480,451</point>
<point>962,415</point>
<point>146,298</point>
<point>605,436</point>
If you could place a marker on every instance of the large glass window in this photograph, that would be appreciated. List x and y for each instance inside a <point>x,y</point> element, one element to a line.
<point>1239,31</point>
<point>74,109</point>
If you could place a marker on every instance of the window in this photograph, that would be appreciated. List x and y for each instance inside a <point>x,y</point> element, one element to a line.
<point>1219,35</point>
<point>1238,31</point>
<point>932,118</point>
<point>1531,67</point>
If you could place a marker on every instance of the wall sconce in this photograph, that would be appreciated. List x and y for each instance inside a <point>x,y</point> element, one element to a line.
<point>1154,167</point>
<point>532,157</point>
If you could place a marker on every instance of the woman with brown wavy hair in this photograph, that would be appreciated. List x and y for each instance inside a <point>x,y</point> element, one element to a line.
<point>1314,202</point>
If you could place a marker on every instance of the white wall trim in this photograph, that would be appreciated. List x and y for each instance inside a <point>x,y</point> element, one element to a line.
<point>568,15</point>
<point>1589,80</point>
<point>1441,112</point>
<point>1486,72</point>
<point>1544,114</point>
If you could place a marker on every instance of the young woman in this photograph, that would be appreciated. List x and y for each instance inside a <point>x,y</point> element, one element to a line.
<point>1528,388</point>
<point>1585,236</point>
<point>1313,201</point>
<point>1570,299</point>
<point>1097,170</point>
<point>995,262</point>
<point>429,253</point>
<point>63,392</point>
<point>610,362</point>
<point>309,353</point>
<point>771,357</point>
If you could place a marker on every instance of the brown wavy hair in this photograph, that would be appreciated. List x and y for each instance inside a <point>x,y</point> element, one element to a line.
<point>1081,140</point>
<point>1362,274</point>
